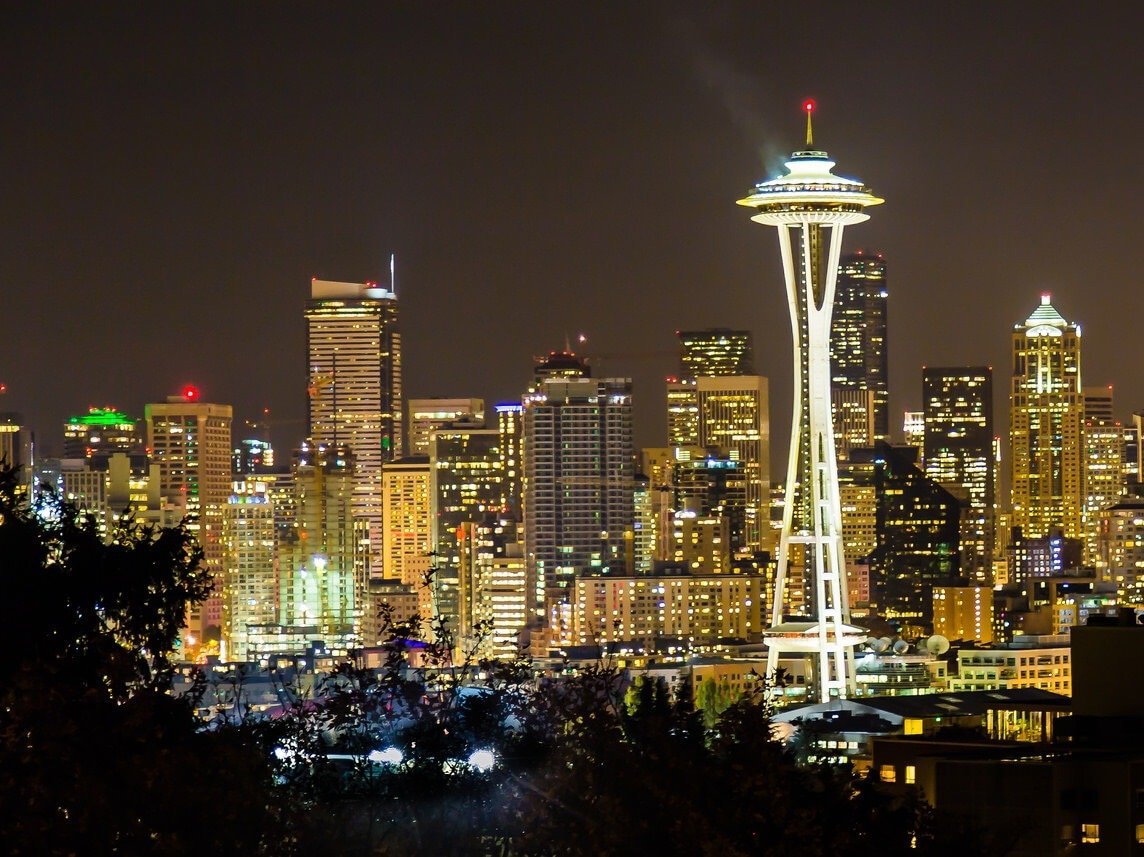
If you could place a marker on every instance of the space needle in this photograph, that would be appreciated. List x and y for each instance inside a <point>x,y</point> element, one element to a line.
<point>810,206</point>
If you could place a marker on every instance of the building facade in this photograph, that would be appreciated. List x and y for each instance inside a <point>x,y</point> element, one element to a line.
<point>859,353</point>
<point>190,441</point>
<point>1046,419</point>
<point>958,453</point>
<point>353,346</point>
<point>578,479</point>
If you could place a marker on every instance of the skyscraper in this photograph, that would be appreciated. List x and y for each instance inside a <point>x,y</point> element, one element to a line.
<point>734,417</point>
<point>467,485</point>
<point>190,442</point>
<point>100,430</point>
<point>578,479</point>
<point>815,205</point>
<point>715,351</point>
<point>1046,423</point>
<point>250,590</point>
<point>918,536</point>
<point>322,579</point>
<point>957,403</point>
<point>354,351</point>
<point>859,353</point>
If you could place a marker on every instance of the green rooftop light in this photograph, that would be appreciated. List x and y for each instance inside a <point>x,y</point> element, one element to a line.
<point>102,417</point>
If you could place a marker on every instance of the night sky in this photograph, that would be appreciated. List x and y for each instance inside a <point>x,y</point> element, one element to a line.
<point>174,175</point>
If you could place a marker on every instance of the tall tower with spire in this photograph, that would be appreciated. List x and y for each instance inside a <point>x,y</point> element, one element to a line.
<point>810,206</point>
<point>1046,425</point>
<point>353,346</point>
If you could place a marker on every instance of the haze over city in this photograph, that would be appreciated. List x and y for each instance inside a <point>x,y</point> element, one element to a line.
<point>541,171</point>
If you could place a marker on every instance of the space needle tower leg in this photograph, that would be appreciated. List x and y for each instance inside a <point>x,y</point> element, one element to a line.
<point>812,205</point>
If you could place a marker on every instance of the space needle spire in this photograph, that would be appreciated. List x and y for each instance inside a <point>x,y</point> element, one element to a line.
<point>810,206</point>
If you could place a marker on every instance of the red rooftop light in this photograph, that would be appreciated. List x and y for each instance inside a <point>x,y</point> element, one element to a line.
<point>808,105</point>
<point>190,393</point>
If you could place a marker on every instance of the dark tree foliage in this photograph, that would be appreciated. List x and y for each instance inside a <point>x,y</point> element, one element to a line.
<point>95,755</point>
<point>588,764</point>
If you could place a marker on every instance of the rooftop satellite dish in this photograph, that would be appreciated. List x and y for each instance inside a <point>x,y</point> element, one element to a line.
<point>901,647</point>
<point>870,643</point>
<point>937,645</point>
<point>881,644</point>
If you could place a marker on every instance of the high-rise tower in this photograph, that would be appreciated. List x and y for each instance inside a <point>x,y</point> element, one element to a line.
<point>715,351</point>
<point>578,480</point>
<point>957,402</point>
<point>859,358</point>
<point>810,206</point>
<point>354,352</point>
<point>190,441</point>
<point>1046,424</point>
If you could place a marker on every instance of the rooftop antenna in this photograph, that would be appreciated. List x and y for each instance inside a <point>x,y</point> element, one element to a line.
<point>808,106</point>
<point>393,274</point>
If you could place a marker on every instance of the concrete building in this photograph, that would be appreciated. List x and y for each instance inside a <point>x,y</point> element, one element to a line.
<point>963,613</point>
<point>1036,661</point>
<point>578,480</point>
<point>698,610</point>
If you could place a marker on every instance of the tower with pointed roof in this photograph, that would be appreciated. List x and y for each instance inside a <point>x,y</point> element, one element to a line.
<point>1046,424</point>
<point>810,206</point>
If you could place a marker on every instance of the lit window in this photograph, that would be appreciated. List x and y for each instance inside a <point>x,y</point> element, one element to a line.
<point>911,775</point>
<point>1090,833</point>
<point>887,774</point>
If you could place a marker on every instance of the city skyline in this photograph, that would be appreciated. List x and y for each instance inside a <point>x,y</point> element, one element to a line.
<point>192,173</point>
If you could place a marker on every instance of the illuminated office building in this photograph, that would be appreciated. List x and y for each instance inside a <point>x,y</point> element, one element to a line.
<point>11,440</point>
<point>509,418</point>
<point>407,545</point>
<point>101,430</point>
<point>914,430</point>
<point>250,566</point>
<point>467,484</point>
<point>810,206</point>
<point>1122,548</point>
<point>578,480</point>
<point>1103,481</point>
<point>559,366</point>
<point>957,406</point>
<point>1046,425</point>
<point>693,610</point>
<point>852,409</point>
<point>428,414</point>
<point>963,613</point>
<point>682,412</point>
<point>734,418</point>
<point>919,526</point>
<point>1104,467</point>
<point>190,441</point>
<point>859,354</point>
<point>353,348</point>
<point>252,456</point>
<point>495,587</point>
<point>715,351</point>
<point>322,575</point>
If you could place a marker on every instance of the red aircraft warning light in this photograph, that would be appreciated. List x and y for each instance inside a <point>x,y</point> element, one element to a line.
<point>191,393</point>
